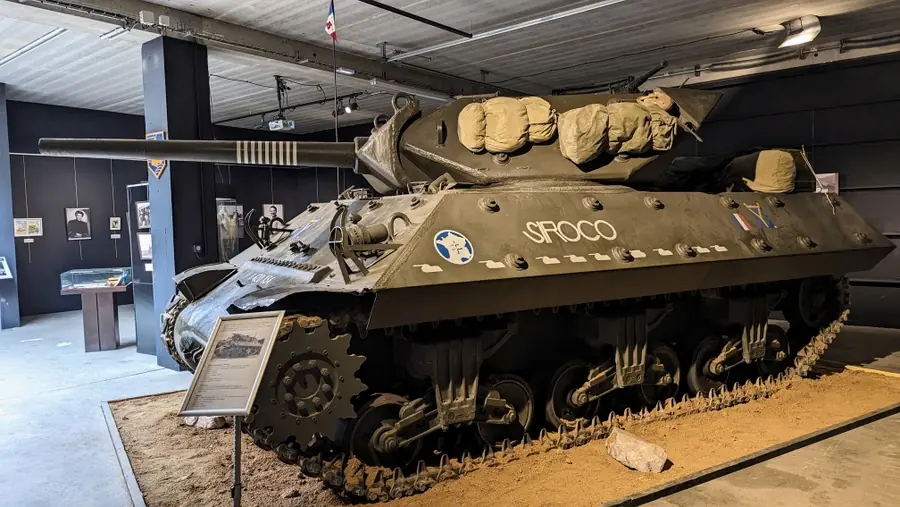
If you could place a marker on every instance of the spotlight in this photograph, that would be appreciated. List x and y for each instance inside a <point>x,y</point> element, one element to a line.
<point>352,106</point>
<point>801,30</point>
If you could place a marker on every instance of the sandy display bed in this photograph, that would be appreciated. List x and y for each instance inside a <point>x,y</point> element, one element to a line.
<point>177,465</point>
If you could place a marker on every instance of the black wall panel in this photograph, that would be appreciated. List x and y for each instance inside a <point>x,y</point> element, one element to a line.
<point>870,164</point>
<point>842,115</point>
<point>44,187</point>
<point>857,124</point>
<point>881,208</point>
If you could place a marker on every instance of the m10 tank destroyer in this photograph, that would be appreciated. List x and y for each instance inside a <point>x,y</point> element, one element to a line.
<point>530,266</point>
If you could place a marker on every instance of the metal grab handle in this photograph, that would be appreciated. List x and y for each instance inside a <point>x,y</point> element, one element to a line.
<point>390,224</point>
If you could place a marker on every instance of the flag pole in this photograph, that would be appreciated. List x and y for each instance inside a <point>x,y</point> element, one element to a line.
<point>334,62</point>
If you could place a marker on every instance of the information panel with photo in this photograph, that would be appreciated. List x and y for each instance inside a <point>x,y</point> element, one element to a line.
<point>228,376</point>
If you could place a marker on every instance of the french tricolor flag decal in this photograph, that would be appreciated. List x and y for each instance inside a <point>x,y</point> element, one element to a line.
<point>741,221</point>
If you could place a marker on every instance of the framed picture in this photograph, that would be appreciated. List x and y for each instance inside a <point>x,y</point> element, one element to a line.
<point>271,211</point>
<point>228,376</point>
<point>142,212</point>
<point>78,224</point>
<point>28,227</point>
<point>827,183</point>
<point>115,223</point>
<point>145,246</point>
<point>5,272</point>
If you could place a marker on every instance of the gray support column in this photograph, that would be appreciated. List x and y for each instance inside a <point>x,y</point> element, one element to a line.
<point>182,200</point>
<point>9,291</point>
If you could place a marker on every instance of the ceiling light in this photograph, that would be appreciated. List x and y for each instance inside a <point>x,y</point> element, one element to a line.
<point>40,41</point>
<point>801,31</point>
<point>345,71</point>
<point>352,106</point>
<point>115,32</point>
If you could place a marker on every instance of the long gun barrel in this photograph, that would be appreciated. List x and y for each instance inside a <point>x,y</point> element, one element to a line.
<point>284,153</point>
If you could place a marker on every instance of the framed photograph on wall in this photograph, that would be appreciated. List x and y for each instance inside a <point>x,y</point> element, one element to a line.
<point>271,211</point>
<point>5,272</point>
<point>142,212</point>
<point>78,224</point>
<point>28,227</point>
<point>115,223</point>
<point>145,246</point>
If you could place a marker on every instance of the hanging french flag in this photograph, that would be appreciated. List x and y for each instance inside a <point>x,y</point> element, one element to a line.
<point>330,29</point>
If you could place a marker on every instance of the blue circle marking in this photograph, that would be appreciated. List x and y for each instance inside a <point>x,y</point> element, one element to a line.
<point>454,247</point>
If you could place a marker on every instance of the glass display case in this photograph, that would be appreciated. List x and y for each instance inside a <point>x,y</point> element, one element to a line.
<point>94,278</point>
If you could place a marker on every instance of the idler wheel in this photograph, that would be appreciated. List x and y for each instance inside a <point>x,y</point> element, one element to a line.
<point>567,379</point>
<point>700,377</point>
<point>368,440</point>
<point>666,358</point>
<point>517,393</point>
<point>816,302</point>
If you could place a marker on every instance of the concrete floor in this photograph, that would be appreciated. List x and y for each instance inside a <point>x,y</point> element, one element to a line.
<point>55,449</point>
<point>859,468</point>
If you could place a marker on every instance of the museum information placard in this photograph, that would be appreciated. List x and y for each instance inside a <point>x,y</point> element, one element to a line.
<point>227,378</point>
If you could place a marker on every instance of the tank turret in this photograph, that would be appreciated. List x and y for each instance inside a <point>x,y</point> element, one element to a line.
<point>532,261</point>
<point>414,146</point>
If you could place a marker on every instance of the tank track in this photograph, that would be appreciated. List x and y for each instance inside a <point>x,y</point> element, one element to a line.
<point>167,324</point>
<point>355,480</point>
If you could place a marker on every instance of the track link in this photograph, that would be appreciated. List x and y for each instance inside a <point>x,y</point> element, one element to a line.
<point>356,480</point>
<point>167,323</point>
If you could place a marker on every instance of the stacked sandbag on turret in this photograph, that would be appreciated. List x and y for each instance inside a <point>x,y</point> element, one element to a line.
<point>657,98</point>
<point>507,125</point>
<point>471,127</point>
<point>583,133</point>
<point>504,125</point>
<point>663,127</point>
<point>629,128</point>
<point>541,119</point>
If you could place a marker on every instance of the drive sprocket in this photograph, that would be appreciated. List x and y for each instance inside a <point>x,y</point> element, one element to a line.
<point>307,387</point>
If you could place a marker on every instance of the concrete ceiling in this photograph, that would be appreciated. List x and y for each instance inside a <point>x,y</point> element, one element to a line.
<point>78,68</point>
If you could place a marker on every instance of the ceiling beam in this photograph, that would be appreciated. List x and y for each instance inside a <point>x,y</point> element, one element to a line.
<point>221,34</point>
<point>725,71</point>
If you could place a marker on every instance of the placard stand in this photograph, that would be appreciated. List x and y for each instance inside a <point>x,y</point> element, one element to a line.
<point>236,483</point>
<point>227,378</point>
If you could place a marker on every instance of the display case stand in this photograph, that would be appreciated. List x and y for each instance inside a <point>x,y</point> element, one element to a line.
<point>100,315</point>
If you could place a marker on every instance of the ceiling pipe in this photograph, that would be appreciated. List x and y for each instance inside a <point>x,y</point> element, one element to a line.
<point>295,106</point>
<point>506,29</point>
<point>420,19</point>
